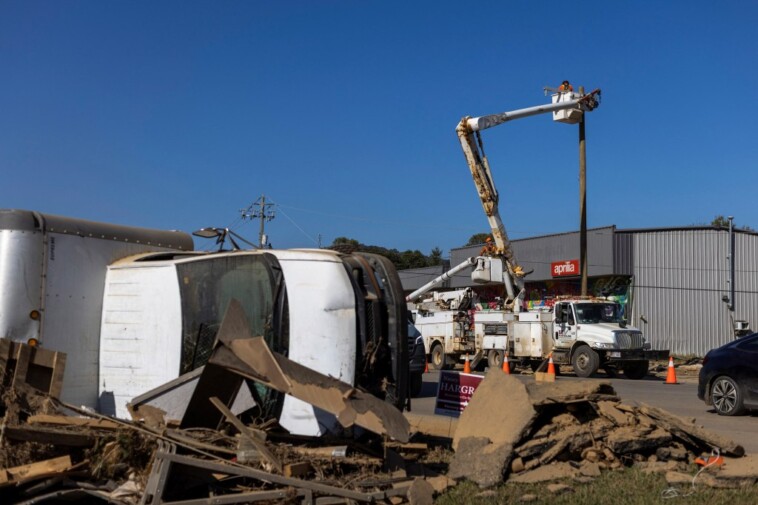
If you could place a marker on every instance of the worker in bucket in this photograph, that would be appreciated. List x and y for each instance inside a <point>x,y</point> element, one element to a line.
<point>565,86</point>
<point>489,248</point>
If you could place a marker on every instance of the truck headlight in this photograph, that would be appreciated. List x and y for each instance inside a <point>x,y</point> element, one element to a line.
<point>646,346</point>
<point>604,345</point>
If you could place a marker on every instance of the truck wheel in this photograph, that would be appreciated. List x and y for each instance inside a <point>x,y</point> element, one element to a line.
<point>417,382</point>
<point>585,361</point>
<point>438,360</point>
<point>636,370</point>
<point>495,360</point>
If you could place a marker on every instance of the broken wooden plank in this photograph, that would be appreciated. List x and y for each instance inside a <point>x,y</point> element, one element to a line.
<point>50,436</point>
<point>258,444</point>
<point>60,420</point>
<point>685,429</point>
<point>34,470</point>
<point>297,469</point>
<point>314,487</point>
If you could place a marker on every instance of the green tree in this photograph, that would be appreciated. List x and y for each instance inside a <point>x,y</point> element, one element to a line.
<point>478,238</point>
<point>723,222</point>
<point>435,257</point>
<point>401,260</point>
<point>345,241</point>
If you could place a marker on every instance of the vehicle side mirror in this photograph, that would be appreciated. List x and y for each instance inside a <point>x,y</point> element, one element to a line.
<point>622,323</point>
<point>559,315</point>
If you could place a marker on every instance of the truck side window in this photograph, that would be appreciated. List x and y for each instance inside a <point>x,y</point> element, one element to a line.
<point>570,318</point>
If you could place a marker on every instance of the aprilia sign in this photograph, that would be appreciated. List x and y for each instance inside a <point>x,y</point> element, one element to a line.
<point>565,268</point>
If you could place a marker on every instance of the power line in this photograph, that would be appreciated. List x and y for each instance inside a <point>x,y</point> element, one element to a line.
<point>264,212</point>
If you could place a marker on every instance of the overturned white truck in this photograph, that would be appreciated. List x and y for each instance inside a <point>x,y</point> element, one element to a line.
<point>134,308</point>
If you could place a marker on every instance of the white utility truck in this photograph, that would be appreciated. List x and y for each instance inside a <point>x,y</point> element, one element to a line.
<point>131,320</point>
<point>587,333</point>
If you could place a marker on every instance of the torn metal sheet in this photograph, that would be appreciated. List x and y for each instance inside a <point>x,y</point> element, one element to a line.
<point>251,357</point>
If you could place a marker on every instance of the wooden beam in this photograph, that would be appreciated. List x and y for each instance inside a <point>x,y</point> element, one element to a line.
<point>258,444</point>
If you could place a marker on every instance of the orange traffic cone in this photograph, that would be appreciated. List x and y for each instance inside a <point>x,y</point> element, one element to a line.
<point>671,375</point>
<point>466,366</point>
<point>426,367</point>
<point>551,365</point>
<point>506,366</point>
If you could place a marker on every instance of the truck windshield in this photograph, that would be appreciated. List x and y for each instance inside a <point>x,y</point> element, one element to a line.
<point>589,313</point>
<point>207,286</point>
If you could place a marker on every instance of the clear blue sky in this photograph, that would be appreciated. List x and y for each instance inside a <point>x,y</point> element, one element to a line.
<point>178,114</point>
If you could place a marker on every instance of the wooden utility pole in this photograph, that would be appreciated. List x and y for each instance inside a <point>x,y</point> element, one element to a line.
<point>582,202</point>
<point>264,213</point>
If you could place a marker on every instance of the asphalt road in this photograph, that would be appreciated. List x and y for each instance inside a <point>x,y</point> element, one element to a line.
<point>680,399</point>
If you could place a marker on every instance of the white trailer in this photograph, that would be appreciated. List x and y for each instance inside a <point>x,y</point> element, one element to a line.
<point>52,270</point>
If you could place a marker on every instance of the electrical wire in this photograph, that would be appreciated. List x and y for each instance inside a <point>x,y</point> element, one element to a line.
<point>672,492</point>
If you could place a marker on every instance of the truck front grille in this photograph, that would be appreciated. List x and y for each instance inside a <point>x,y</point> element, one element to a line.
<point>629,340</point>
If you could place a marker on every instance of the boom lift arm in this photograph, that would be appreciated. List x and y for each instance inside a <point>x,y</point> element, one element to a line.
<point>468,131</point>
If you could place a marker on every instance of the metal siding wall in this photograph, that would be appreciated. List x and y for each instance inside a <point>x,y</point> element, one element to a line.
<point>414,278</point>
<point>539,252</point>
<point>679,279</point>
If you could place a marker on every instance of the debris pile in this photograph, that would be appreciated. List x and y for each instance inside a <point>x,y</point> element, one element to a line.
<point>206,453</point>
<point>50,450</point>
<point>546,431</point>
<point>59,456</point>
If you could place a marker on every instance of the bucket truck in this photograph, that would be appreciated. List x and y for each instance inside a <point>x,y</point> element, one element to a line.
<point>586,333</point>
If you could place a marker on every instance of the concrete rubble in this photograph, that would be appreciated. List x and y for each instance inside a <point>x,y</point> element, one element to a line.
<point>542,432</point>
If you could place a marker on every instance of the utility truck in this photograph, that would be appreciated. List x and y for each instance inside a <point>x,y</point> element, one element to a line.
<point>135,308</point>
<point>586,333</point>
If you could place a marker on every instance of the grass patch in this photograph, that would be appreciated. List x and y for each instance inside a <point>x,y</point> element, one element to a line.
<point>623,487</point>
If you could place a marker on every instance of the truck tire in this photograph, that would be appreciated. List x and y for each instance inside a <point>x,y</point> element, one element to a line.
<point>495,360</point>
<point>437,359</point>
<point>417,383</point>
<point>585,361</point>
<point>636,370</point>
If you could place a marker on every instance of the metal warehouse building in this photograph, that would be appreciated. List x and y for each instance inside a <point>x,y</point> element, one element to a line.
<point>686,288</point>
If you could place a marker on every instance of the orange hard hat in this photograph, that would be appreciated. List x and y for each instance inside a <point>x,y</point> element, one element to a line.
<point>489,239</point>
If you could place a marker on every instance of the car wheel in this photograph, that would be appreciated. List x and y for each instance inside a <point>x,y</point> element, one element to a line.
<point>585,361</point>
<point>417,382</point>
<point>636,370</point>
<point>438,360</point>
<point>726,396</point>
<point>495,360</point>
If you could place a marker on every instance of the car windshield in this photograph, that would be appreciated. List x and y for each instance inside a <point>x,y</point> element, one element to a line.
<point>588,313</point>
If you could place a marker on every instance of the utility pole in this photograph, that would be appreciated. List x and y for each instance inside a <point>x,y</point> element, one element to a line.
<point>582,201</point>
<point>263,212</point>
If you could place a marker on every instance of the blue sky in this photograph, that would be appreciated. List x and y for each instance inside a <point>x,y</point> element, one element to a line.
<point>177,114</point>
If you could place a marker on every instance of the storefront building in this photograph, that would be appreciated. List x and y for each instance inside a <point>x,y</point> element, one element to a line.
<point>687,288</point>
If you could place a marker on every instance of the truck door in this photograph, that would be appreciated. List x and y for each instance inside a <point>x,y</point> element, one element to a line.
<point>565,324</point>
